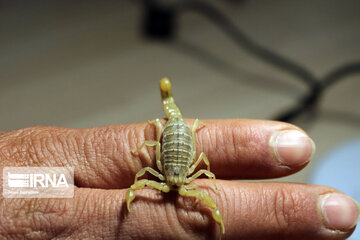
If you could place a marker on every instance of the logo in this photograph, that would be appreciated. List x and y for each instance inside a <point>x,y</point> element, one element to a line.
<point>38,182</point>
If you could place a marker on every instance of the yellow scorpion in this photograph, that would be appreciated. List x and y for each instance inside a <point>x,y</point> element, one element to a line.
<point>174,161</point>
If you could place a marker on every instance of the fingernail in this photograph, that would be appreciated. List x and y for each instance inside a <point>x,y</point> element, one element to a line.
<point>292,147</point>
<point>340,212</point>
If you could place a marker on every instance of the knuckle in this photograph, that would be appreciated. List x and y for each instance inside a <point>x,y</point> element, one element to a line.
<point>101,150</point>
<point>85,207</point>
<point>214,142</point>
<point>196,224</point>
<point>283,207</point>
<point>89,143</point>
<point>195,218</point>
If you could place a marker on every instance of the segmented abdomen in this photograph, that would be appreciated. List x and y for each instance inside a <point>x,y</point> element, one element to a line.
<point>177,148</point>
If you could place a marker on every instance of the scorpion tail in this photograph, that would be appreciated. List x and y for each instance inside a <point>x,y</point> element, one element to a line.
<point>167,99</point>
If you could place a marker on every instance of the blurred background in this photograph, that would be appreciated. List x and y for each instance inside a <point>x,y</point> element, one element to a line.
<point>91,63</point>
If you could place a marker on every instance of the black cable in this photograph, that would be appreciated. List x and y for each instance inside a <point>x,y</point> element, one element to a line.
<point>232,71</point>
<point>308,102</point>
<point>340,73</point>
<point>316,92</point>
<point>245,42</point>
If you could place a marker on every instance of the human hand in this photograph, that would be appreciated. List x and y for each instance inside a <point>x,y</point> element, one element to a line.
<point>105,168</point>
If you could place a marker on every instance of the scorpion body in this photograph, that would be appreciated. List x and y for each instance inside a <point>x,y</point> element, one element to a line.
<point>174,157</point>
<point>177,151</point>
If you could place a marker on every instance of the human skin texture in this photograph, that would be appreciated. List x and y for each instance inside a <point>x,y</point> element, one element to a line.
<point>105,167</point>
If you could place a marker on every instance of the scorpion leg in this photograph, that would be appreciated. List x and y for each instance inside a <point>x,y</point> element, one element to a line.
<point>183,191</point>
<point>158,153</point>
<point>192,187</point>
<point>130,194</point>
<point>188,187</point>
<point>158,128</point>
<point>158,136</point>
<point>150,170</point>
<point>198,173</point>
<point>201,157</point>
<point>193,130</point>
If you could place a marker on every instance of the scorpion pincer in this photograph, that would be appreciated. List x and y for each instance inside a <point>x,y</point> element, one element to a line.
<point>174,157</point>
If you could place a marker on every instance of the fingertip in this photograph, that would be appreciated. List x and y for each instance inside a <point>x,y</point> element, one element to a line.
<point>292,147</point>
<point>339,211</point>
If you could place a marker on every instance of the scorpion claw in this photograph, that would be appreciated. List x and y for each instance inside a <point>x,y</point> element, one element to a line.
<point>218,218</point>
<point>130,196</point>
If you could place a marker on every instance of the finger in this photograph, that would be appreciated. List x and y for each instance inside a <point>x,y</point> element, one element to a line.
<point>102,156</point>
<point>250,211</point>
<point>255,149</point>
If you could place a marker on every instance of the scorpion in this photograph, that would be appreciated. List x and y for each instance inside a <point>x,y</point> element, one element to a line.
<point>174,157</point>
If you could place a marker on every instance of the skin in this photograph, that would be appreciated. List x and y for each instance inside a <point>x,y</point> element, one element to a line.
<point>105,168</point>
